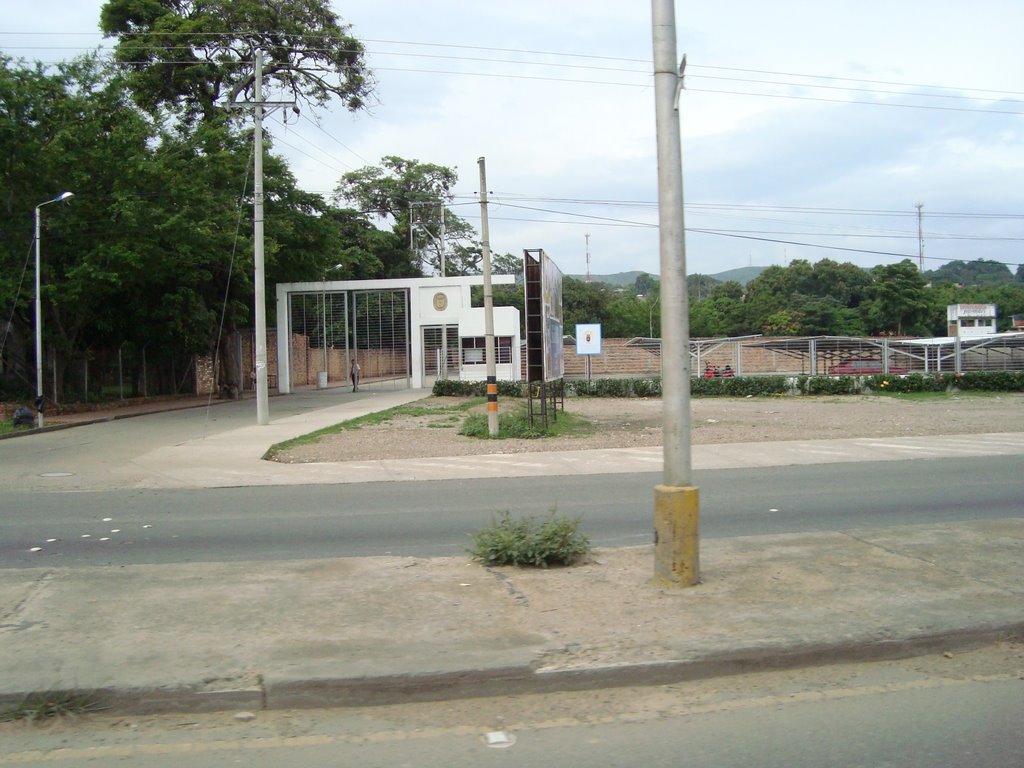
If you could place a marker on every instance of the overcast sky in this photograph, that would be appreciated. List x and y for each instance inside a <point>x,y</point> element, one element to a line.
<point>819,124</point>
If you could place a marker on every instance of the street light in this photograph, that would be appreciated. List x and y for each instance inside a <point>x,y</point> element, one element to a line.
<point>39,316</point>
<point>438,242</point>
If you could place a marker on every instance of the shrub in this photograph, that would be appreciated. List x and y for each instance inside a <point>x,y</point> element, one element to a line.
<point>830,385</point>
<point>456,388</point>
<point>555,541</point>
<point>991,381</point>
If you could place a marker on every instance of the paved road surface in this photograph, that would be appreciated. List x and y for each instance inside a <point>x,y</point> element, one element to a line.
<point>920,713</point>
<point>428,519</point>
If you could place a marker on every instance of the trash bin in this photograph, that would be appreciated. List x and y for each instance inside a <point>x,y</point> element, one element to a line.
<point>321,379</point>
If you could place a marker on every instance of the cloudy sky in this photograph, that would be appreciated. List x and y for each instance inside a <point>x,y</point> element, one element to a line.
<point>810,129</point>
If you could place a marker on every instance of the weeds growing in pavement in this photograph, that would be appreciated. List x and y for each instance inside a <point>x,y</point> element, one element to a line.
<point>557,540</point>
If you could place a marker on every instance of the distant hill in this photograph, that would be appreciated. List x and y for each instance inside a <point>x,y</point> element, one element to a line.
<point>742,275</point>
<point>619,279</point>
<point>977,272</point>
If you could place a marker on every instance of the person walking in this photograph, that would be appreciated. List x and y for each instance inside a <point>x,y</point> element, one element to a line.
<point>354,375</point>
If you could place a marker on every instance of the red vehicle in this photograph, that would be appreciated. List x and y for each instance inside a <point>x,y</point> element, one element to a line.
<point>863,367</point>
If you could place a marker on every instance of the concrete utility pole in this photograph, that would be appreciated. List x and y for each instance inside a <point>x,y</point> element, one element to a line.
<point>676,500</point>
<point>262,394</point>
<point>485,248</point>
<point>259,107</point>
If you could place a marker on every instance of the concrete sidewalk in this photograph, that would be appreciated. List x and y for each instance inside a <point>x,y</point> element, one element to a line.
<point>375,630</point>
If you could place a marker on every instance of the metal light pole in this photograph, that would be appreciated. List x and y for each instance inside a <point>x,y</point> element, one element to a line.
<point>438,242</point>
<point>39,315</point>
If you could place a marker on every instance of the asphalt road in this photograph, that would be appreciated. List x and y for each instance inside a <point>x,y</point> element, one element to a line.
<point>76,529</point>
<point>917,713</point>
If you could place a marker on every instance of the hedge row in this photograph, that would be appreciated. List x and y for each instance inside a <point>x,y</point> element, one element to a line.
<point>742,386</point>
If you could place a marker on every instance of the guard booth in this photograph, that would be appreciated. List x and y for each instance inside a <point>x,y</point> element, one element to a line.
<point>402,333</point>
<point>969,320</point>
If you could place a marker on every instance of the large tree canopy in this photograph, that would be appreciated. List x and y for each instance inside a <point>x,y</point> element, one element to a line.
<point>412,196</point>
<point>188,55</point>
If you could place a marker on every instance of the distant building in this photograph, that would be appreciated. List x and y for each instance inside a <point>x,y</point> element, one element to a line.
<point>969,320</point>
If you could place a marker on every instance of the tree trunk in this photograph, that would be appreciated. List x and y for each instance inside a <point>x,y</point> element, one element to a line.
<point>229,384</point>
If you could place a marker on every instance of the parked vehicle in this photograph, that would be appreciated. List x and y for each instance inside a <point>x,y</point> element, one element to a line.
<point>863,367</point>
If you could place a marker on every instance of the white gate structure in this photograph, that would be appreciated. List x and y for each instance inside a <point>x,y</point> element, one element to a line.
<point>402,333</point>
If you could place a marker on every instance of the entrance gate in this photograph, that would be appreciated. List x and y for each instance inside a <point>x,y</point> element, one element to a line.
<point>331,329</point>
<point>440,352</point>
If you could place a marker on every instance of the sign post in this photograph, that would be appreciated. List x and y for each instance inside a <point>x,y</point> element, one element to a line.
<point>588,342</point>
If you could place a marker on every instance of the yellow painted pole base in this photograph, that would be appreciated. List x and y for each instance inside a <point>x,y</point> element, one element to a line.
<point>676,536</point>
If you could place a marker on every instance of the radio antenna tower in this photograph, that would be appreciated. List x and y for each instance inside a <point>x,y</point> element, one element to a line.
<point>587,236</point>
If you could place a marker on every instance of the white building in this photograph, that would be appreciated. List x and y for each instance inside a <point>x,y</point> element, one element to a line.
<point>970,320</point>
<point>408,331</point>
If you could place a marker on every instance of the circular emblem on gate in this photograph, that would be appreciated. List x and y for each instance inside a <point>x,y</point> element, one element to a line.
<point>440,301</point>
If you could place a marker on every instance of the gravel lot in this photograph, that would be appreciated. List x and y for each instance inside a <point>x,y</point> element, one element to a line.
<point>633,422</point>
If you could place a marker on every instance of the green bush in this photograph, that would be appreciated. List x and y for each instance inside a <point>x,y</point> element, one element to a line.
<point>758,386</point>
<point>555,541</point>
<point>912,382</point>
<point>991,381</point>
<point>456,388</point>
<point>829,385</point>
<point>739,386</point>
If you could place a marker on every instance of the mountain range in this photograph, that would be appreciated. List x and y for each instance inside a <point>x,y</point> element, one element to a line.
<point>742,275</point>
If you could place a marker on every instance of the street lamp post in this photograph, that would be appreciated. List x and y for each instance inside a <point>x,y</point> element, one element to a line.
<point>39,315</point>
<point>438,242</point>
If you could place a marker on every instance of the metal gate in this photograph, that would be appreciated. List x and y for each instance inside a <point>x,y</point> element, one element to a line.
<point>333,329</point>
<point>380,336</point>
<point>440,352</point>
<point>321,354</point>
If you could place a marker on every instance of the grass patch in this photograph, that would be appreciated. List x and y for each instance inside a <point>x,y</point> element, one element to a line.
<point>931,397</point>
<point>450,411</point>
<point>44,706</point>
<point>557,540</point>
<point>516,424</point>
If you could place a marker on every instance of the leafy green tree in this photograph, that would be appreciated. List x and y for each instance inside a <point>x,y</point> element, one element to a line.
<point>629,316</point>
<point>507,264</point>
<point>584,302</point>
<point>187,61</point>
<point>899,304</point>
<point>783,323</point>
<point>645,284</point>
<point>826,316</point>
<point>847,283</point>
<point>728,290</point>
<point>188,56</point>
<point>768,294</point>
<point>699,287</point>
<point>410,195</point>
<point>82,135</point>
<point>717,317</point>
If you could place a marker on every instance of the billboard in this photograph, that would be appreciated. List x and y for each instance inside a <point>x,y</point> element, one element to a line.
<point>543,288</point>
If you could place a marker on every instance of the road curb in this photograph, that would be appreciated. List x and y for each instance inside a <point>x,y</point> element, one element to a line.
<point>273,692</point>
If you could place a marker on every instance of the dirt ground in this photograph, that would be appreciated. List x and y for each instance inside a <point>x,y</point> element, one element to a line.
<point>635,422</point>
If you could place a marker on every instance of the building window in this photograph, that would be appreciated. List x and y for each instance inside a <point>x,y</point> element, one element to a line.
<point>474,350</point>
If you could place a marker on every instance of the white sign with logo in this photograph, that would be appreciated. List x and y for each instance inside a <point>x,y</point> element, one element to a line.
<point>588,338</point>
